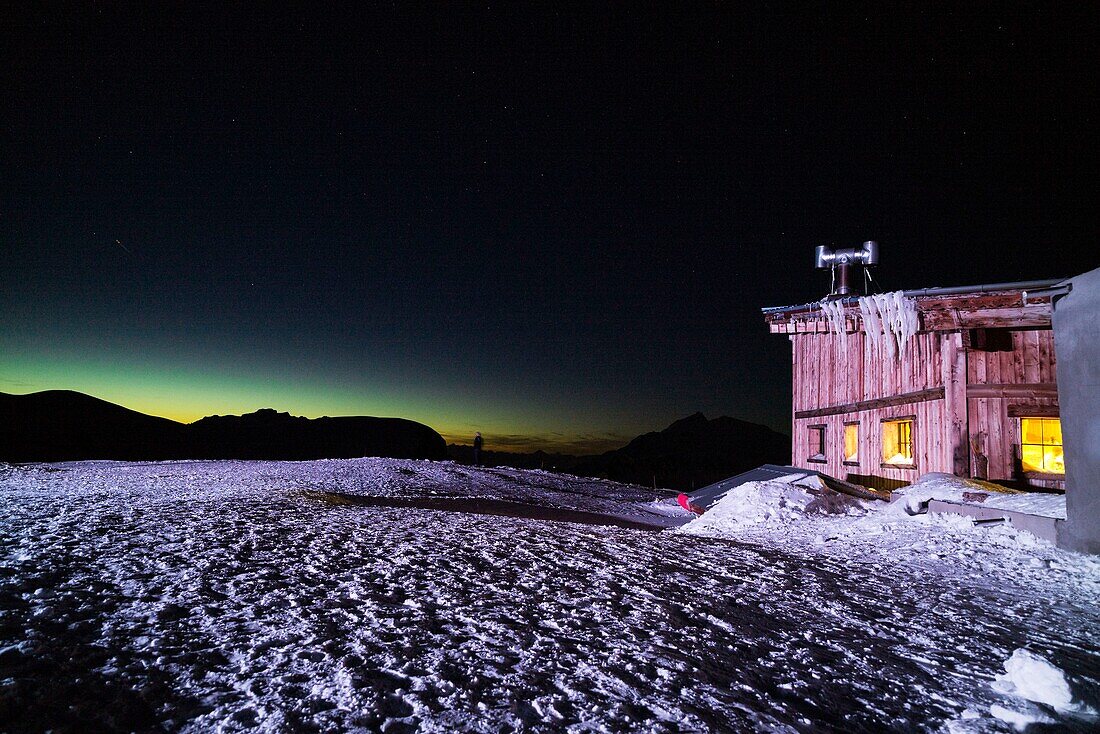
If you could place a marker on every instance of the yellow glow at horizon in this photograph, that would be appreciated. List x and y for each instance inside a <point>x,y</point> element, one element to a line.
<point>186,394</point>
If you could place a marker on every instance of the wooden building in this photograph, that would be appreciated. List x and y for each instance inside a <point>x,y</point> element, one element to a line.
<point>956,380</point>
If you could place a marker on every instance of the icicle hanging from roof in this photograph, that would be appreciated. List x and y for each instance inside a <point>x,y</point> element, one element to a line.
<point>838,322</point>
<point>872,324</point>
<point>903,320</point>
<point>891,317</point>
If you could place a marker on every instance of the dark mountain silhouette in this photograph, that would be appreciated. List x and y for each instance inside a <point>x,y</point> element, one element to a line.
<point>59,425</point>
<point>267,434</point>
<point>691,453</point>
<point>464,454</point>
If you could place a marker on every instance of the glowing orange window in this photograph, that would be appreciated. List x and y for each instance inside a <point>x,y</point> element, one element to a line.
<point>1041,445</point>
<point>897,442</point>
<point>851,443</point>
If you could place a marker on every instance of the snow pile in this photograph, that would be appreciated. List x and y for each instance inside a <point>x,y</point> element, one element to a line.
<point>890,318</point>
<point>941,486</point>
<point>755,502</point>
<point>1020,721</point>
<point>1029,676</point>
<point>773,505</point>
<point>949,488</point>
<point>873,531</point>
<point>775,501</point>
<point>1033,503</point>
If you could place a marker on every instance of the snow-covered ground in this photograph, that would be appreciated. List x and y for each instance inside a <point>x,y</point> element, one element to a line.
<point>288,597</point>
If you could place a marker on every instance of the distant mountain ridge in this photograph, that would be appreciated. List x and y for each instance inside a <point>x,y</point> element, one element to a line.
<point>691,453</point>
<point>62,425</point>
<point>464,454</point>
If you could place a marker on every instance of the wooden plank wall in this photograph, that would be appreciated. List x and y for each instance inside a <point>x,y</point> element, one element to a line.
<point>1031,361</point>
<point>928,444</point>
<point>824,374</point>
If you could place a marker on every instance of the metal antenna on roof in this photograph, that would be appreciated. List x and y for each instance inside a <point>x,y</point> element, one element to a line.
<point>840,263</point>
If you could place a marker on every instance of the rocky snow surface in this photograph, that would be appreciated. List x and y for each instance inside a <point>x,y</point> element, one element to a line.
<point>234,596</point>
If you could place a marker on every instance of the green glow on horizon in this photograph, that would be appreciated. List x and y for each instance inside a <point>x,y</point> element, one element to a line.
<point>186,394</point>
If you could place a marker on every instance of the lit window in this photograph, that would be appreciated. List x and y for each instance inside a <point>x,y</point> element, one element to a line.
<point>851,443</point>
<point>816,446</point>
<point>897,442</point>
<point>1041,445</point>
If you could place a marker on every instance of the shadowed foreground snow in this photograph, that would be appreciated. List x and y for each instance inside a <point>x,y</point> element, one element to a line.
<point>240,595</point>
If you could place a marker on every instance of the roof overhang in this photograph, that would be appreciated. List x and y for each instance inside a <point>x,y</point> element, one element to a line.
<point>1024,304</point>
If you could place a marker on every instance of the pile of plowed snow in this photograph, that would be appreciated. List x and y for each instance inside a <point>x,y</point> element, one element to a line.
<point>795,512</point>
<point>776,504</point>
<point>772,502</point>
<point>949,488</point>
<point>754,502</point>
<point>1031,678</point>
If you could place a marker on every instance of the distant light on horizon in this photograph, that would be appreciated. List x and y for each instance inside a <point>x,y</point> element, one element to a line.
<point>189,396</point>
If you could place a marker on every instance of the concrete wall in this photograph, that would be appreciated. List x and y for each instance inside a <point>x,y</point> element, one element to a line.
<point>1077,341</point>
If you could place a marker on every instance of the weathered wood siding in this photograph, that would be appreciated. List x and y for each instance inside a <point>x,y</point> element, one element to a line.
<point>976,390</point>
<point>928,448</point>
<point>1031,367</point>
<point>825,374</point>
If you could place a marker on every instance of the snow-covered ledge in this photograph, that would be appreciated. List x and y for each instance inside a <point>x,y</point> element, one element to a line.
<point>1038,525</point>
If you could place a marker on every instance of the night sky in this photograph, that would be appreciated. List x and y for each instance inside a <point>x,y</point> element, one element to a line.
<point>554,227</point>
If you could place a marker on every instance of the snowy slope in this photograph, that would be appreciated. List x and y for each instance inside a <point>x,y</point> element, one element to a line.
<point>239,595</point>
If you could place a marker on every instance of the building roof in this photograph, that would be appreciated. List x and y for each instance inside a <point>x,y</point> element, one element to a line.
<point>1021,304</point>
<point>1023,285</point>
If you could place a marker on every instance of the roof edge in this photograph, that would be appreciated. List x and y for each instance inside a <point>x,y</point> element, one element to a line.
<point>1021,285</point>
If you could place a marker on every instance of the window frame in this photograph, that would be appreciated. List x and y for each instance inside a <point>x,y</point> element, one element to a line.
<point>844,460</point>
<point>1041,473</point>
<point>912,420</point>
<point>820,457</point>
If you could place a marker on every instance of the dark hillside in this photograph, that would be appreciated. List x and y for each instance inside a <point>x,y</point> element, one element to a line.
<point>692,452</point>
<point>464,454</point>
<point>267,434</point>
<point>61,425</point>
<point>58,425</point>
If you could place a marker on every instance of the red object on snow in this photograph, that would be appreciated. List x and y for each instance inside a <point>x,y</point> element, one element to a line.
<point>685,502</point>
